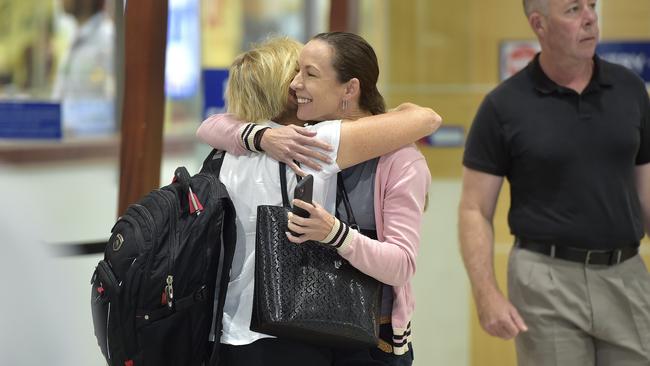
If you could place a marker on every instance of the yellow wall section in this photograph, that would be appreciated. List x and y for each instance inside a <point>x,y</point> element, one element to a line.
<point>444,54</point>
<point>628,19</point>
<point>221,32</point>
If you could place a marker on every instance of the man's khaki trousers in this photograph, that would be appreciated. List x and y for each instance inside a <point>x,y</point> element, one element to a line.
<point>578,314</point>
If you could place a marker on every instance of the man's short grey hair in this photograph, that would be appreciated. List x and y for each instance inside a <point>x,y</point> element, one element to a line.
<point>535,5</point>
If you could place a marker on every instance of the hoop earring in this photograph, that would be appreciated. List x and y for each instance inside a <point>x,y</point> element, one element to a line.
<point>345,104</point>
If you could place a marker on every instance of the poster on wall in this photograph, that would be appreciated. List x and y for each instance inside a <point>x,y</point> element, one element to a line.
<point>633,55</point>
<point>214,88</point>
<point>30,120</point>
<point>514,55</point>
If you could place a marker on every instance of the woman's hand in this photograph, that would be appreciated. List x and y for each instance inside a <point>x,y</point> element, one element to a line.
<point>289,143</point>
<point>316,227</point>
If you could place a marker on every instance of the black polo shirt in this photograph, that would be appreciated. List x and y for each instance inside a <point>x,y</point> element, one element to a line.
<point>569,157</point>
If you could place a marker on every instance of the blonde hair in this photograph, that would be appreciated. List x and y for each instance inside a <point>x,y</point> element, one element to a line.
<point>258,84</point>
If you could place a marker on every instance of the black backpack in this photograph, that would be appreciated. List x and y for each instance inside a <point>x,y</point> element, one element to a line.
<point>152,295</point>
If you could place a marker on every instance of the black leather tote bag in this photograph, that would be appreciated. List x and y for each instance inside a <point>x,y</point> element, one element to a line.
<point>308,292</point>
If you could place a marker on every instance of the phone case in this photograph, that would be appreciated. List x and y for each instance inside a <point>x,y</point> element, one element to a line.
<point>303,192</point>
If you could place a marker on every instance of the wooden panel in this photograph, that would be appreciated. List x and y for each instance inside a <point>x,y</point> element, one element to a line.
<point>443,163</point>
<point>429,44</point>
<point>490,23</point>
<point>400,38</point>
<point>142,118</point>
<point>629,19</point>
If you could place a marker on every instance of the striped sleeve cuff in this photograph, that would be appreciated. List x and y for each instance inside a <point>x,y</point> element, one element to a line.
<point>248,136</point>
<point>340,236</point>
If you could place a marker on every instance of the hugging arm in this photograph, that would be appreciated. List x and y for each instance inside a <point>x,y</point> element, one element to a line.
<point>373,136</point>
<point>286,144</point>
<point>222,131</point>
<point>362,140</point>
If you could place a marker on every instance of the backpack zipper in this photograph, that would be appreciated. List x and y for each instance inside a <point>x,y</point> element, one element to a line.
<point>174,209</point>
<point>169,292</point>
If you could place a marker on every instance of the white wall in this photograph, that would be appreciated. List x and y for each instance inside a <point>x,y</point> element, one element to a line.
<point>441,322</point>
<point>62,203</point>
<point>57,204</point>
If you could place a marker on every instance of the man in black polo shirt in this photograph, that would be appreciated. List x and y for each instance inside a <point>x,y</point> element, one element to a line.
<point>571,133</point>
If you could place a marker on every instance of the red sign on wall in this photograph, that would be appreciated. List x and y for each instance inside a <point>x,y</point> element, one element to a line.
<point>514,56</point>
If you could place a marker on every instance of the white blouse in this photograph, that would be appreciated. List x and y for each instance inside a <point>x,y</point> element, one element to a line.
<point>253,180</point>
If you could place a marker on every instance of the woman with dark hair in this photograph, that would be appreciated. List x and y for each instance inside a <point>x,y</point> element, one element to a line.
<point>389,215</point>
<point>336,79</point>
<point>258,90</point>
<point>357,62</point>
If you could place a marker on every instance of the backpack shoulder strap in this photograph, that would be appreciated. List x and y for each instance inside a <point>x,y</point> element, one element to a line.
<point>229,242</point>
<point>212,163</point>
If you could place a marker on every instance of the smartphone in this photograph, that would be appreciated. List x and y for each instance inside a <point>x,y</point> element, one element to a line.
<point>303,192</point>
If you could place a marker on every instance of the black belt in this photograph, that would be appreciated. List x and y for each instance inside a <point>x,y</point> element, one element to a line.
<point>586,256</point>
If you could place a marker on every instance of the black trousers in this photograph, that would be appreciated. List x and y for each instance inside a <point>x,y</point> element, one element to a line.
<point>283,352</point>
<point>275,352</point>
<point>370,357</point>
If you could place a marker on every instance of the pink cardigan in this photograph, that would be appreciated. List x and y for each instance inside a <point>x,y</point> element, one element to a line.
<point>401,183</point>
<point>402,180</point>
